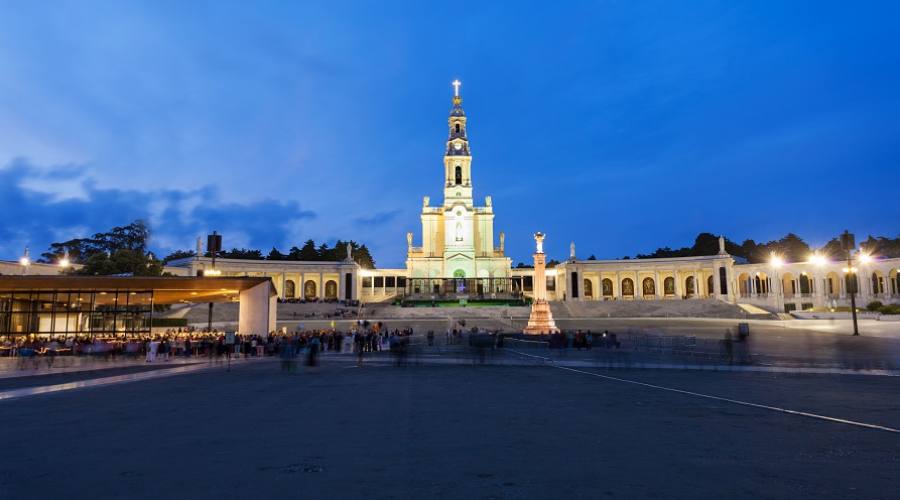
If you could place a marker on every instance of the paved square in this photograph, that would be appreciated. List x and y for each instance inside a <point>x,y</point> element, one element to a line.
<point>452,432</point>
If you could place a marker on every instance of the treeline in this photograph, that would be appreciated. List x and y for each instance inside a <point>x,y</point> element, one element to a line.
<point>791,248</point>
<point>124,250</point>
<point>121,250</point>
<point>309,252</point>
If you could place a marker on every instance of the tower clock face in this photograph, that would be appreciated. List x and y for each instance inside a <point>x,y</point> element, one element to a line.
<point>458,146</point>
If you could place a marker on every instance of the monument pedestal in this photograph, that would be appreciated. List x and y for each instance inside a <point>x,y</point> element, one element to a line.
<point>541,319</point>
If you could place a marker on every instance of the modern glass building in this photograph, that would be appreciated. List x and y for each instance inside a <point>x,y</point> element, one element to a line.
<point>101,313</point>
<point>117,307</point>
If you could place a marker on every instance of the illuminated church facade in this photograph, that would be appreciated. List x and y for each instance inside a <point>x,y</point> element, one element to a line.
<point>457,236</point>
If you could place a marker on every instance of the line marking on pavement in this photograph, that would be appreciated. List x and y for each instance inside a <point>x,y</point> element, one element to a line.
<point>111,380</point>
<point>726,400</point>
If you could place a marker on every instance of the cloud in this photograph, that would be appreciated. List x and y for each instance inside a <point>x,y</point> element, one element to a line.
<point>39,208</point>
<point>379,218</point>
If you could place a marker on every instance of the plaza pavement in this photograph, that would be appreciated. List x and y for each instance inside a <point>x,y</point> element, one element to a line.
<point>526,430</point>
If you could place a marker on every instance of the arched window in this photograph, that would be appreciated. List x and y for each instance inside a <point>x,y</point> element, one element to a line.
<point>649,287</point>
<point>689,286</point>
<point>588,288</point>
<point>457,128</point>
<point>607,286</point>
<point>710,286</point>
<point>290,289</point>
<point>877,284</point>
<point>458,175</point>
<point>669,286</point>
<point>627,286</point>
<point>331,290</point>
<point>309,290</point>
<point>804,284</point>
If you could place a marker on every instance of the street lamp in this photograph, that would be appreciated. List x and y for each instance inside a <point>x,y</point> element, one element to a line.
<point>64,261</point>
<point>25,261</point>
<point>818,259</point>
<point>848,242</point>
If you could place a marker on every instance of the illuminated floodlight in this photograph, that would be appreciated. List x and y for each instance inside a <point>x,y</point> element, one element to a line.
<point>864,258</point>
<point>776,261</point>
<point>818,260</point>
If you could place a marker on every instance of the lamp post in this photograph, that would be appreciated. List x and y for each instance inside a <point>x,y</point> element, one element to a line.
<point>64,261</point>
<point>848,242</point>
<point>214,246</point>
<point>777,262</point>
<point>25,261</point>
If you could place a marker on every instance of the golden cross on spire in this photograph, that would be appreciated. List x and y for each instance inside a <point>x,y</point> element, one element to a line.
<point>456,84</point>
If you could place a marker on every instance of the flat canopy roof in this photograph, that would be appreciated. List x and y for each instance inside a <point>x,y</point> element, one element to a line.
<point>166,289</point>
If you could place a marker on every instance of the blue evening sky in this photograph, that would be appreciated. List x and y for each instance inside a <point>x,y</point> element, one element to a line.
<point>622,125</point>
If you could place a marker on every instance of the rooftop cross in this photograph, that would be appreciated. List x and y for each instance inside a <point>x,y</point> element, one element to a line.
<point>456,84</point>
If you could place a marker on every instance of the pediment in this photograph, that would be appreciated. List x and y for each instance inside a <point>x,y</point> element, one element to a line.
<point>458,256</point>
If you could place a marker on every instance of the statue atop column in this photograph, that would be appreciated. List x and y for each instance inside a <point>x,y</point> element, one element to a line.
<point>502,240</point>
<point>199,247</point>
<point>541,318</point>
<point>722,245</point>
<point>349,251</point>
<point>572,250</point>
<point>409,238</point>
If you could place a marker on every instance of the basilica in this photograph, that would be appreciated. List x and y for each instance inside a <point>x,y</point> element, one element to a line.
<point>459,258</point>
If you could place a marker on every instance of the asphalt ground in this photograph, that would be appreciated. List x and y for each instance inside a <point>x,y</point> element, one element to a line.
<point>455,431</point>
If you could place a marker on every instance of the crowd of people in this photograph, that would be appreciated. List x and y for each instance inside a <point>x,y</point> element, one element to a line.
<point>364,337</point>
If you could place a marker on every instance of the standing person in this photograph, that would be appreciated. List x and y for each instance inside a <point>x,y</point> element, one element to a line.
<point>359,356</point>
<point>164,349</point>
<point>314,344</point>
<point>152,349</point>
<point>287,355</point>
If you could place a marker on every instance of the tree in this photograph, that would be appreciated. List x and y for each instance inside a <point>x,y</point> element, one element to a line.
<point>125,261</point>
<point>308,251</point>
<point>242,253</point>
<point>323,252</point>
<point>179,254</point>
<point>592,257</point>
<point>274,254</point>
<point>362,256</point>
<point>133,236</point>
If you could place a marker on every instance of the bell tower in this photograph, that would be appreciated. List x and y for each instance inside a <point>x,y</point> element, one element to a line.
<point>457,157</point>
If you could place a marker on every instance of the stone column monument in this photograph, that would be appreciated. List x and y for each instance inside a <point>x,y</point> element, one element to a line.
<point>541,319</point>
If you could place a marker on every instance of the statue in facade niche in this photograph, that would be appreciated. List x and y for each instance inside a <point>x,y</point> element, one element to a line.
<point>426,200</point>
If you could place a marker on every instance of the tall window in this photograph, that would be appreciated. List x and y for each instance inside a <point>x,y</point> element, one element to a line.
<point>457,128</point>
<point>458,175</point>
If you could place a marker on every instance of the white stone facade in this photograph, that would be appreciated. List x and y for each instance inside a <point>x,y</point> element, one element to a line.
<point>457,236</point>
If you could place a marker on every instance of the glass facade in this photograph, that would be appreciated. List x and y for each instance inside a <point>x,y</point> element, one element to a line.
<point>74,312</point>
